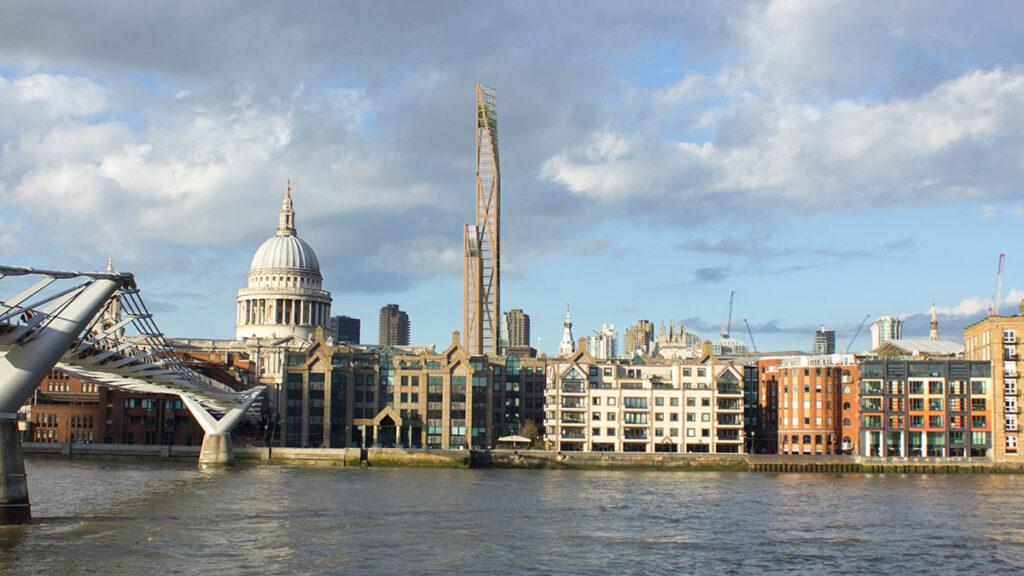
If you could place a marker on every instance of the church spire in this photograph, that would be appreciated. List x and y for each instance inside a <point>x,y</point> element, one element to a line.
<point>934,334</point>
<point>286,222</point>
<point>567,345</point>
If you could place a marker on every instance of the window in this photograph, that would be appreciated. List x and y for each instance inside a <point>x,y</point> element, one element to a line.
<point>977,421</point>
<point>659,401</point>
<point>595,416</point>
<point>659,417</point>
<point>701,372</point>
<point>610,431</point>
<point>705,417</point>
<point>690,433</point>
<point>917,404</point>
<point>607,371</point>
<point>595,431</point>
<point>611,416</point>
<point>691,401</point>
<point>977,387</point>
<point>935,404</point>
<point>686,371</point>
<point>978,404</point>
<point>674,417</point>
<point>705,401</point>
<point>915,387</point>
<point>673,402</point>
<point>935,387</point>
<point>846,405</point>
<point>595,401</point>
<point>935,421</point>
<point>690,418</point>
<point>705,432</point>
<point>846,389</point>
<point>917,421</point>
<point>846,421</point>
<point>611,401</point>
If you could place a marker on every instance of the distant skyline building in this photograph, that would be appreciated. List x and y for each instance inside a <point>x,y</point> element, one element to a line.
<point>567,345</point>
<point>638,339</point>
<point>884,329</point>
<point>603,345</point>
<point>482,241</point>
<point>517,328</point>
<point>345,329</point>
<point>284,295</point>
<point>394,326</point>
<point>824,342</point>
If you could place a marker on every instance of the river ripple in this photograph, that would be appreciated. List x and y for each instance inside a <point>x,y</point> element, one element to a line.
<point>155,519</point>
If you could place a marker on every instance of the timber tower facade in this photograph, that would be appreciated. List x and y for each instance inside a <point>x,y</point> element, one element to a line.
<point>482,240</point>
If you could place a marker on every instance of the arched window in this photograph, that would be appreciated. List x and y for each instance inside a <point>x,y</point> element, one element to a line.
<point>846,389</point>
<point>846,405</point>
<point>846,422</point>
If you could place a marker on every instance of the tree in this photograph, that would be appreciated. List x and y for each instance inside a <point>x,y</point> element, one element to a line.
<point>530,430</point>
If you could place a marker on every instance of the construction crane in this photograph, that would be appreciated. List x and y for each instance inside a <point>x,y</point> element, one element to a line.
<point>994,309</point>
<point>857,333</point>
<point>751,334</point>
<point>727,325</point>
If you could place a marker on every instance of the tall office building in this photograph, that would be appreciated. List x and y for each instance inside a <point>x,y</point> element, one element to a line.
<point>884,329</point>
<point>824,342</point>
<point>394,326</point>
<point>345,329</point>
<point>517,327</point>
<point>602,345</point>
<point>482,241</point>
<point>638,338</point>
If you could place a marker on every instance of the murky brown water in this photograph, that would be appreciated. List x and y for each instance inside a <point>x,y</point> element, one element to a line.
<point>115,518</point>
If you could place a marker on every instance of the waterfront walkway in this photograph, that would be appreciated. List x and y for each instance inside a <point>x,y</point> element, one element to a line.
<point>397,457</point>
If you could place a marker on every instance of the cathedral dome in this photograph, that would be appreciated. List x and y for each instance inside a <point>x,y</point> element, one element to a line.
<point>286,252</point>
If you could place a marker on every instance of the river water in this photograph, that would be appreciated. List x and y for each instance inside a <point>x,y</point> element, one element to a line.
<point>156,519</point>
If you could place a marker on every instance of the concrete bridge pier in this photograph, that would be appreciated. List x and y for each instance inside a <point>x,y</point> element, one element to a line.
<point>14,503</point>
<point>216,451</point>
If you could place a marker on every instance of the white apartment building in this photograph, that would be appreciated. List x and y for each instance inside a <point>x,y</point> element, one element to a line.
<point>594,405</point>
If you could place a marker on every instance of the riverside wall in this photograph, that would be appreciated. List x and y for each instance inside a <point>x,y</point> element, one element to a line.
<point>537,459</point>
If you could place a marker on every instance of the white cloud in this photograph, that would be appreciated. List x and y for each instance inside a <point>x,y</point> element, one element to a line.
<point>932,149</point>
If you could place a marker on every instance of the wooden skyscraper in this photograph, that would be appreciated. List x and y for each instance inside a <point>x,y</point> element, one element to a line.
<point>482,241</point>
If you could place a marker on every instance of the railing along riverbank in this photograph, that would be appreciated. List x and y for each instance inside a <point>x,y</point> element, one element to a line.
<point>537,459</point>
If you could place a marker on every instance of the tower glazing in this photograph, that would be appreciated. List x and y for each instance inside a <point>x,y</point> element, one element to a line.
<point>482,240</point>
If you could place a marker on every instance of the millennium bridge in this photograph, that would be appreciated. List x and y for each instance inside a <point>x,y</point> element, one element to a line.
<point>96,327</point>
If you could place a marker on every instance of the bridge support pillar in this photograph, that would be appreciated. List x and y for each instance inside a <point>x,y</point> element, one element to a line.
<point>216,451</point>
<point>14,503</point>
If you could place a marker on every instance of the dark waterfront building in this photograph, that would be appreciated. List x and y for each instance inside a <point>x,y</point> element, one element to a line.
<point>932,408</point>
<point>394,326</point>
<point>338,396</point>
<point>345,329</point>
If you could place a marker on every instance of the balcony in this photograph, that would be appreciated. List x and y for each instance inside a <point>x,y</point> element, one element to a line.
<point>634,434</point>
<point>729,390</point>
<point>573,418</point>
<point>730,404</point>
<point>574,402</point>
<point>730,420</point>
<point>573,434</point>
<point>729,435</point>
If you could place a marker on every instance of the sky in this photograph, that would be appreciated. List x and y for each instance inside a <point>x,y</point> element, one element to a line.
<point>825,161</point>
